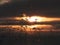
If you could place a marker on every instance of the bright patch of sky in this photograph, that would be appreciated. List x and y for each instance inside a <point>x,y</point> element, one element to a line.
<point>4,1</point>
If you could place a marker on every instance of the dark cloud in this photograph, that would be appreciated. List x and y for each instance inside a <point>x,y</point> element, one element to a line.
<point>49,8</point>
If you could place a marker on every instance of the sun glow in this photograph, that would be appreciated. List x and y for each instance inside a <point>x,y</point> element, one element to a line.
<point>35,19</point>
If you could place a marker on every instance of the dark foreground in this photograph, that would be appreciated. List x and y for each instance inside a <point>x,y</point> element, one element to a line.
<point>11,37</point>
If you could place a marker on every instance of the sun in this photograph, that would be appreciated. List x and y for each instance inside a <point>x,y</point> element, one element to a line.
<point>35,19</point>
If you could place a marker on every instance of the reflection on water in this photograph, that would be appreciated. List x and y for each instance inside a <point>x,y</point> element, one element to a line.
<point>43,28</point>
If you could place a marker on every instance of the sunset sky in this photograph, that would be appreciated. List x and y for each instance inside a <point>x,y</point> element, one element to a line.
<point>29,22</point>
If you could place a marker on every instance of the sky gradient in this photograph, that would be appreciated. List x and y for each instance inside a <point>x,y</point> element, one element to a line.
<point>48,8</point>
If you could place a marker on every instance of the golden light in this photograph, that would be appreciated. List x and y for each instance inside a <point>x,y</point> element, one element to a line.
<point>17,18</point>
<point>41,19</point>
<point>35,19</point>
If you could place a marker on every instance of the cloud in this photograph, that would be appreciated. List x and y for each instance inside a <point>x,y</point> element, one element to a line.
<point>32,7</point>
<point>4,1</point>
